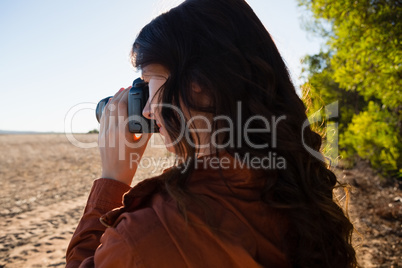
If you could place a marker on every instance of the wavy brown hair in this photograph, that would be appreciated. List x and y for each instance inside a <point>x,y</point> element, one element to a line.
<point>223,47</point>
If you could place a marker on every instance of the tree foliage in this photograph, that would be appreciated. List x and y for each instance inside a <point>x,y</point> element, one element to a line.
<point>362,69</point>
<point>93,131</point>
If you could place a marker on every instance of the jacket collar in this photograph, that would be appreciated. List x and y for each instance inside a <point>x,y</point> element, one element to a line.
<point>235,176</point>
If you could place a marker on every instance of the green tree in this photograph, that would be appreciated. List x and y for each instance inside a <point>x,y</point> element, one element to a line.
<point>362,70</point>
<point>93,131</point>
<point>321,89</point>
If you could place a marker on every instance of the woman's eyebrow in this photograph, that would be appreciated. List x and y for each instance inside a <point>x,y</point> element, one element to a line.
<point>153,75</point>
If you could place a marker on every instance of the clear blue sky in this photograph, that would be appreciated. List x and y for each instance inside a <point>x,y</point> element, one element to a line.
<point>58,55</point>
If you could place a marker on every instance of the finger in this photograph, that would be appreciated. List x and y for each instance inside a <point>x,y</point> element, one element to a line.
<point>112,122</point>
<point>121,92</point>
<point>104,118</point>
<point>111,105</point>
<point>109,119</point>
<point>122,103</point>
<point>104,123</point>
<point>116,100</point>
<point>120,115</point>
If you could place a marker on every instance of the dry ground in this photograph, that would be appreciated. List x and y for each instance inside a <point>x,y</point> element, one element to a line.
<point>44,182</point>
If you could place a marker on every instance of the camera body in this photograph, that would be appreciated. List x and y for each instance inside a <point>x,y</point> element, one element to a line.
<point>137,99</point>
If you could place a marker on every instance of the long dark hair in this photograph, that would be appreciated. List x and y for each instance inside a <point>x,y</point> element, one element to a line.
<point>222,46</point>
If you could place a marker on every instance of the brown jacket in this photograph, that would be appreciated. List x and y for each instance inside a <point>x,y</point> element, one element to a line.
<point>150,231</point>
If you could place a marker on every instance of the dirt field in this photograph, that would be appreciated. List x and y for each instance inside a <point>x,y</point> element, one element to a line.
<point>44,182</point>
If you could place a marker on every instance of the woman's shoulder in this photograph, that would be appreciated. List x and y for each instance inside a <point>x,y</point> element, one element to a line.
<point>162,236</point>
<point>218,226</point>
<point>145,234</point>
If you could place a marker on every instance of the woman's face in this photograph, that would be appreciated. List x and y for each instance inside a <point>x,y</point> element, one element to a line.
<point>156,75</point>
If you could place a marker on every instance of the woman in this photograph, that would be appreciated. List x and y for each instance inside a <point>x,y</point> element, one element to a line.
<point>244,192</point>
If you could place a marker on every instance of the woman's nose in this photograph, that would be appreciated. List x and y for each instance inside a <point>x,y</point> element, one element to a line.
<point>146,112</point>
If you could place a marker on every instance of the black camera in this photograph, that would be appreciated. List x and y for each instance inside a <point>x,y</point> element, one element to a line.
<point>137,99</point>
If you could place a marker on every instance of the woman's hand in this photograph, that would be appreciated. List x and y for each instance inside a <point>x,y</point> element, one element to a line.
<point>120,150</point>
